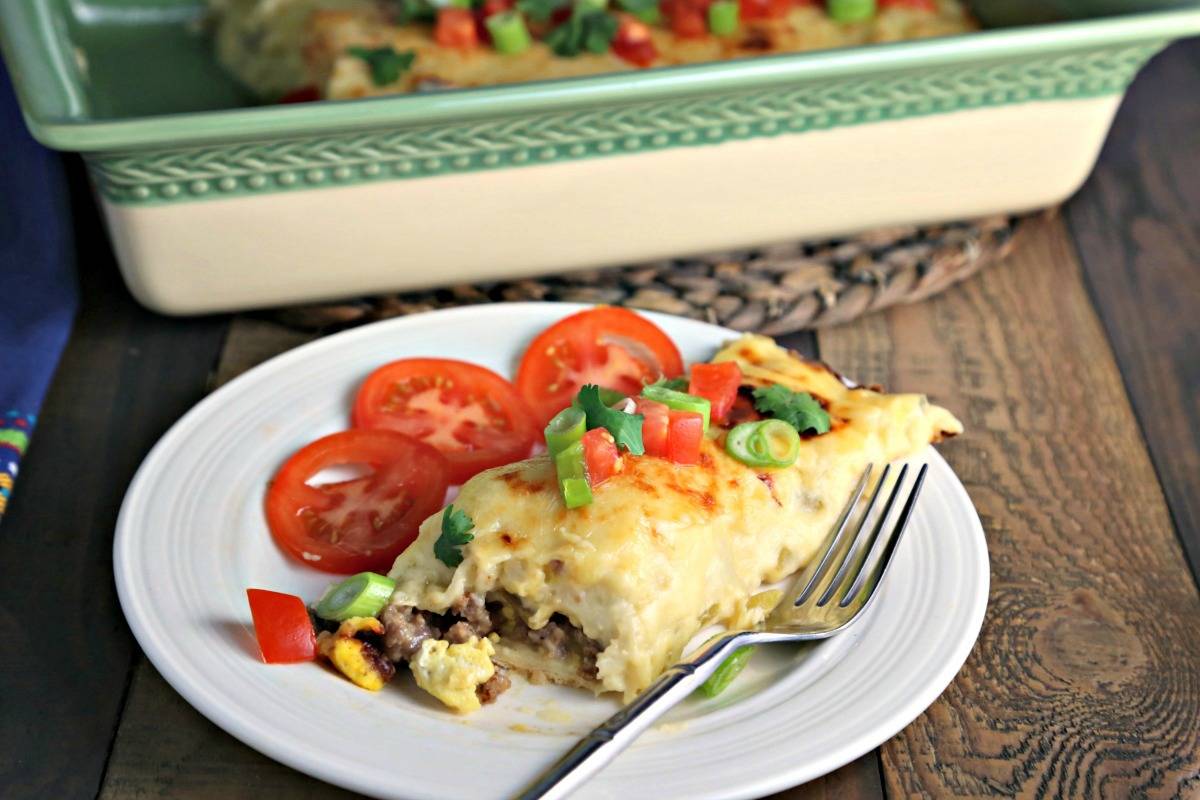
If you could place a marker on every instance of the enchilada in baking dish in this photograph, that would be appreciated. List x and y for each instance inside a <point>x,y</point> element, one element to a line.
<point>339,49</point>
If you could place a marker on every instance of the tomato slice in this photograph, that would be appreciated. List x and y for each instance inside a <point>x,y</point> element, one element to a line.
<point>718,383</point>
<point>363,523</point>
<point>282,626</point>
<point>683,438</point>
<point>610,347</point>
<point>473,416</point>
<point>455,27</point>
<point>654,425</point>
<point>600,455</point>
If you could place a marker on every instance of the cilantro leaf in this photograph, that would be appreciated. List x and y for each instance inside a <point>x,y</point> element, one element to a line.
<point>456,527</point>
<point>591,30</point>
<point>798,409</point>
<point>675,384</point>
<point>386,64</point>
<point>415,10</point>
<point>540,10</point>
<point>625,428</point>
<point>638,6</point>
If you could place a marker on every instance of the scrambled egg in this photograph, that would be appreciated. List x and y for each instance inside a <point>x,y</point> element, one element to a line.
<point>452,672</point>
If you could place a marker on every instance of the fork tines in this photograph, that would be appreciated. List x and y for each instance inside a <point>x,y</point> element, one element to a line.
<point>853,559</point>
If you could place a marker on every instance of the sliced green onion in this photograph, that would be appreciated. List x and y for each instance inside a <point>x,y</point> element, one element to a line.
<point>567,427</point>
<point>680,401</point>
<point>610,397</point>
<point>650,16</point>
<point>572,476</point>
<point>723,17</point>
<point>361,595</point>
<point>737,441</point>
<point>777,441</point>
<point>679,384</point>
<point>719,681</point>
<point>584,6</point>
<point>850,10</point>
<point>509,33</point>
<point>576,492</point>
<point>767,443</point>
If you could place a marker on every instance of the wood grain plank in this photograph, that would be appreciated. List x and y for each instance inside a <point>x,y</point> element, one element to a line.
<point>1136,225</point>
<point>125,376</point>
<point>1085,681</point>
<point>166,749</point>
<point>861,779</point>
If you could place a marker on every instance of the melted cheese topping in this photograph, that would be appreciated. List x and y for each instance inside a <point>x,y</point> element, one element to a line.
<point>664,549</point>
<point>276,45</point>
<point>452,672</point>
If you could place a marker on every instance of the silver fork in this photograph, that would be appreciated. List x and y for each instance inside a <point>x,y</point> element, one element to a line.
<point>825,598</point>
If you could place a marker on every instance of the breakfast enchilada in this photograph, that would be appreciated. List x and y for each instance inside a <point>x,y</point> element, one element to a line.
<point>606,596</point>
<point>339,49</point>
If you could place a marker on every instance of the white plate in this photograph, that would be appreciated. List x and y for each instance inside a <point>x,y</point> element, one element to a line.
<point>191,538</point>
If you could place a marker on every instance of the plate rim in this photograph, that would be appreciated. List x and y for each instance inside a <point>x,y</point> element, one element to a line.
<point>256,736</point>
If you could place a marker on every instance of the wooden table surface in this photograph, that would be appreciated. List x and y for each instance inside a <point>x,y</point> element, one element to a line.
<point>1075,367</point>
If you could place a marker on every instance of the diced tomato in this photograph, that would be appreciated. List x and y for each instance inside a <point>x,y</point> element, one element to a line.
<point>305,94</point>
<point>473,416</point>
<point>600,455</point>
<point>633,42</point>
<point>688,18</point>
<point>764,9</point>
<point>654,426</point>
<point>689,23</point>
<point>282,626</point>
<point>362,523</point>
<point>613,348</point>
<point>718,383</point>
<point>456,28</point>
<point>915,5</point>
<point>496,6</point>
<point>686,429</point>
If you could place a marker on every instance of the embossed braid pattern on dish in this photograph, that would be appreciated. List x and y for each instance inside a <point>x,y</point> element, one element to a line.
<point>209,172</point>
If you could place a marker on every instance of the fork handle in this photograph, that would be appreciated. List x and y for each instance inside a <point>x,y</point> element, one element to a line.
<point>616,733</point>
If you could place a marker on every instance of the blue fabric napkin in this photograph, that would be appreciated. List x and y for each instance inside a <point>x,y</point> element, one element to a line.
<point>38,293</point>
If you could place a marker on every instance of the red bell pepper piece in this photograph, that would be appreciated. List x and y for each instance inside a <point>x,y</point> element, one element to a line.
<point>282,626</point>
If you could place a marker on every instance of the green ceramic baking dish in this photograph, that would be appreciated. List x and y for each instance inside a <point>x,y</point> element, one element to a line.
<point>214,204</point>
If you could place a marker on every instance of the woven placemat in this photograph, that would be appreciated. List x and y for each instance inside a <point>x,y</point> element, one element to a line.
<point>773,290</point>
